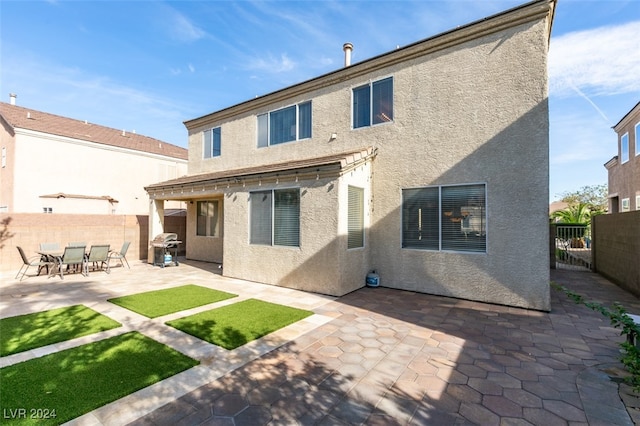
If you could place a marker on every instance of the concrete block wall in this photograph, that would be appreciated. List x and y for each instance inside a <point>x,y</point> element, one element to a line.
<point>28,230</point>
<point>616,248</point>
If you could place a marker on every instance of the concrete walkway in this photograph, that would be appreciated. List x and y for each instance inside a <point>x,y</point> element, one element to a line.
<point>375,356</point>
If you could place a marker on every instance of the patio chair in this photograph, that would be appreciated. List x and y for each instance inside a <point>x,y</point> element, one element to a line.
<point>49,248</point>
<point>38,261</point>
<point>98,256</point>
<point>121,255</point>
<point>72,257</point>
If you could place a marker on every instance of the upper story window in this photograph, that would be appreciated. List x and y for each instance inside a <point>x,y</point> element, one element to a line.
<point>285,125</point>
<point>624,148</point>
<point>626,205</point>
<point>637,130</point>
<point>212,142</point>
<point>373,103</point>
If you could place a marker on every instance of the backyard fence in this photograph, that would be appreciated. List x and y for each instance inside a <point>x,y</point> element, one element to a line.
<point>28,230</point>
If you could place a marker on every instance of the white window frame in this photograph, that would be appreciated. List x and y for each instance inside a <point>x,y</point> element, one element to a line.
<point>210,220</point>
<point>475,227</point>
<point>274,237</point>
<point>625,205</point>
<point>637,141</point>
<point>637,202</point>
<point>624,148</point>
<point>208,143</point>
<point>371,85</point>
<point>266,118</point>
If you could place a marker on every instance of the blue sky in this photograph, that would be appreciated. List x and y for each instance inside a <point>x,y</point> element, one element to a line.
<point>150,65</point>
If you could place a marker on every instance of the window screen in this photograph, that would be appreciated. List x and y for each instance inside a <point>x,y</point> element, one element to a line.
<point>212,142</point>
<point>261,205</point>
<point>373,103</point>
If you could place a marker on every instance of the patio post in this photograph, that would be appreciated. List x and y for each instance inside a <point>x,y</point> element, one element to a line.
<point>156,224</point>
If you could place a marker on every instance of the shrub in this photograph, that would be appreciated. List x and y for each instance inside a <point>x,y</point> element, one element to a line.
<point>618,317</point>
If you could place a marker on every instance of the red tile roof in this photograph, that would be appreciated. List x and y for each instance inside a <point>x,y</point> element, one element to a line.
<point>24,118</point>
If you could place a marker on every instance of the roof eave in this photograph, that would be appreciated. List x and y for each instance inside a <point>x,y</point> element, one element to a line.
<point>521,14</point>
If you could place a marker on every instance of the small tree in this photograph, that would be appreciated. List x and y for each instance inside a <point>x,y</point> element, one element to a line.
<point>4,232</point>
<point>594,196</point>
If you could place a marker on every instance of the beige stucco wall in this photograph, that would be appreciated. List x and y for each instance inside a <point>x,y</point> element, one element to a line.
<point>47,164</point>
<point>483,118</point>
<point>205,248</point>
<point>7,143</point>
<point>474,112</point>
<point>322,263</point>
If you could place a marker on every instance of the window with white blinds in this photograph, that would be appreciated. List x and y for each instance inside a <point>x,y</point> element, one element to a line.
<point>275,217</point>
<point>451,218</point>
<point>355,228</point>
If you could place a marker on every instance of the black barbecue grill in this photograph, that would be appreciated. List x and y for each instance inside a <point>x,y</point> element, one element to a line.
<point>163,246</point>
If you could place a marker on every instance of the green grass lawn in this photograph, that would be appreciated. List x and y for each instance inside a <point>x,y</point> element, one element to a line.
<point>25,332</point>
<point>75,381</point>
<point>236,324</point>
<point>153,304</point>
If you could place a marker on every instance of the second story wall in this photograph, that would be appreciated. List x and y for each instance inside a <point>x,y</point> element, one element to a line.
<point>624,173</point>
<point>451,96</point>
<point>46,164</point>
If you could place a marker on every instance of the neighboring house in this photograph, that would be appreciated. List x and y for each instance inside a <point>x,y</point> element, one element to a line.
<point>624,168</point>
<point>428,164</point>
<point>55,164</point>
<point>557,206</point>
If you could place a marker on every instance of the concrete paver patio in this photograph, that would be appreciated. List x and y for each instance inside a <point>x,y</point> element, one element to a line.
<point>375,356</point>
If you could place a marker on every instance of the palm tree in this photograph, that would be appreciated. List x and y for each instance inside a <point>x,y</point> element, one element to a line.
<point>575,213</point>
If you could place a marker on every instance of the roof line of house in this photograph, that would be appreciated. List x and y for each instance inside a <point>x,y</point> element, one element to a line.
<point>516,16</point>
<point>301,169</point>
<point>20,119</point>
<point>615,127</point>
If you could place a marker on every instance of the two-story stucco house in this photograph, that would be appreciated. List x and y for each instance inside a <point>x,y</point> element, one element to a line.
<point>428,164</point>
<point>624,169</point>
<point>56,164</point>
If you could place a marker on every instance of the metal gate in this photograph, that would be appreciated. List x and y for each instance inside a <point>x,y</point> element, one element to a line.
<point>572,247</point>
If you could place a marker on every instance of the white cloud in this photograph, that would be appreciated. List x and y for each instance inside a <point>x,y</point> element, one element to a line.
<point>600,61</point>
<point>77,93</point>
<point>272,64</point>
<point>182,29</point>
